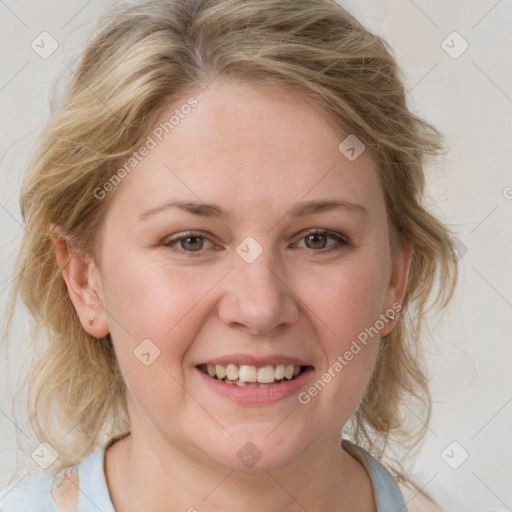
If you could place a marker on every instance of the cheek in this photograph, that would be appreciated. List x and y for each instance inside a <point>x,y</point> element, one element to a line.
<point>346,309</point>
<point>351,298</point>
<point>150,300</point>
<point>151,310</point>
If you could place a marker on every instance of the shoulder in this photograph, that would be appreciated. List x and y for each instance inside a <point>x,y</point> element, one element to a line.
<point>29,496</point>
<point>48,493</point>
<point>386,492</point>
<point>393,495</point>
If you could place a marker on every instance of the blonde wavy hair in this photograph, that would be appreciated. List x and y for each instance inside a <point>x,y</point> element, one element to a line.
<point>147,55</point>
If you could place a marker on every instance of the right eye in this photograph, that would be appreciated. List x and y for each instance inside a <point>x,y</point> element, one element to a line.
<point>187,243</point>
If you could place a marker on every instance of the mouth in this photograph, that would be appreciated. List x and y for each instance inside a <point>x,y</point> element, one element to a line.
<point>248,376</point>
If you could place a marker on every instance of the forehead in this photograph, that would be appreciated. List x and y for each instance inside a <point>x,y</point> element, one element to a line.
<point>248,146</point>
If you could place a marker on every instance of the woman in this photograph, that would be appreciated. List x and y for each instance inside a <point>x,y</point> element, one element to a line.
<point>229,265</point>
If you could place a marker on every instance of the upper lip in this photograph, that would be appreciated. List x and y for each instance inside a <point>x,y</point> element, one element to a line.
<point>251,360</point>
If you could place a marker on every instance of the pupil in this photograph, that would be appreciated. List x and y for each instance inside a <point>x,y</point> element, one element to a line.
<point>186,241</point>
<point>311,237</point>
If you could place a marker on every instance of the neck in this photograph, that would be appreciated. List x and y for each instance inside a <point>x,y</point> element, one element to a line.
<point>145,473</point>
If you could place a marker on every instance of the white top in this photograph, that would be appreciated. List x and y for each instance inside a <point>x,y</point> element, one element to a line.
<point>35,495</point>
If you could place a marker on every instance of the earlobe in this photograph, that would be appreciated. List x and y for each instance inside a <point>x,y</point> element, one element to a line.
<point>82,282</point>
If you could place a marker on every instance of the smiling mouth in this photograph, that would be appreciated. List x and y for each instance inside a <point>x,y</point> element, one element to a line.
<point>252,376</point>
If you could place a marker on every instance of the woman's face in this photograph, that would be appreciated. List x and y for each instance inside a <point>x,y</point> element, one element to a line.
<point>247,285</point>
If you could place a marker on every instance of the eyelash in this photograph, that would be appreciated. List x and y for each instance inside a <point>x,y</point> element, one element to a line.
<point>341,240</point>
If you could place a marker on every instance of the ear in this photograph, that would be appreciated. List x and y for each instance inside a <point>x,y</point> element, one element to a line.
<point>397,286</point>
<point>83,282</point>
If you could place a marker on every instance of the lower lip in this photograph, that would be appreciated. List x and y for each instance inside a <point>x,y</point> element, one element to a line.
<point>255,396</point>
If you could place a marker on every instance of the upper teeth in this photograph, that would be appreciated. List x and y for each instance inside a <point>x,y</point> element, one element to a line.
<point>247,373</point>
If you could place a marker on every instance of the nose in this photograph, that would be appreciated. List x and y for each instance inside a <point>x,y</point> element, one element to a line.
<point>257,297</point>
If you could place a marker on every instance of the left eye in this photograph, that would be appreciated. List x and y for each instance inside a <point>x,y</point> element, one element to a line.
<point>317,240</point>
<point>189,242</point>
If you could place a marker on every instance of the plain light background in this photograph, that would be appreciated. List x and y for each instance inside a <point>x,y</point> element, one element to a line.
<point>467,95</point>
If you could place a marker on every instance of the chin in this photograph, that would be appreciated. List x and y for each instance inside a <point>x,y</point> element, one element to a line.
<point>256,452</point>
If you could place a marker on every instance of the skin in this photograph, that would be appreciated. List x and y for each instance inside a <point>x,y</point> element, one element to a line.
<point>257,152</point>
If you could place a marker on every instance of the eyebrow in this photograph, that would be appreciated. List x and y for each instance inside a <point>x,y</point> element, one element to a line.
<point>215,210</point>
